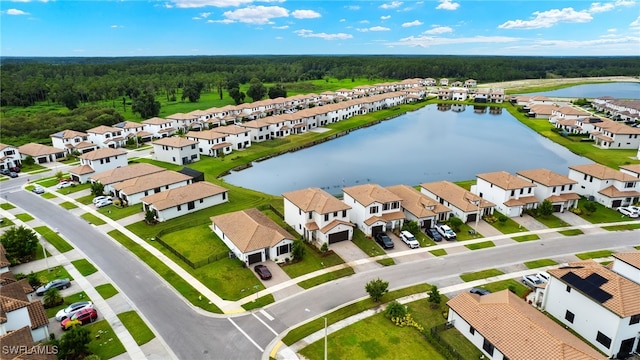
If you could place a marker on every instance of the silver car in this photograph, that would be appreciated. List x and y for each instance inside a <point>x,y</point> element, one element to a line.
<point>72,309</point>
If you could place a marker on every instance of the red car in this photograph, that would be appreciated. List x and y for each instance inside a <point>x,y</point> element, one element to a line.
<point>263,272</point>
<point>82,317</point>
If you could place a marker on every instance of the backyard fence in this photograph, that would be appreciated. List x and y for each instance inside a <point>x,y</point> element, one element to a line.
<point>441,344</point>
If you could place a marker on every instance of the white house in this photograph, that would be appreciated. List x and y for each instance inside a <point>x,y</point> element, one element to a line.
<point>180,201</point>
<point>98,161</point>
<point>464,204</point>
<point>176,150</point>
<point>459,94</point>
<point>318,216</point>
<point>238,136</point>
<point>444,82</point>
<point>183,121</point>
<point>132,190</point>
<point>614,135</point>
<point>511,194</point>
<point>609,187</point>
<point>70,140</point>
<point>419,207</point>
<point>259,129</point>
<point>9,157</point>
<point>470,83</point>
<point>598,304</point>
<point>40,153</point>
<point>114,176</point>
<point>159,127</point>
<point>211,142</point>
<point>252,236</point>
<point>107,136</point>
<point>18,312</point>
<point>374,209</point>
<point>558,189</point>
<point>567,112</point>
<point>503,326</point>
<point>134,130</point>
<point>633,170</point>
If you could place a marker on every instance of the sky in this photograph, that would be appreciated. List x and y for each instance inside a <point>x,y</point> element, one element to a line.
<point>280,27</point>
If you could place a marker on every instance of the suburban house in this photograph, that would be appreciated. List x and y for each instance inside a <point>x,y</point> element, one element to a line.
<point>503,326</point>
<point>444,82</point>
<point>459,94</point>
<point>374,209</point>
<point>252,237</point>
<point>470,83</point>
<point>419,207</point>
<point>134,130</point>
<point>71,140</point>
<point>542,111</point>
<point>183,200</point>
<point>114,176</point>
<point>24,346</point>
<point>597,303</point>
<point>159,127</point>
<point>583,125</point>
<point>98,161</point>
<point>614,135</point>
<point>9,157</point>
<point>211,142</point>
<point>132,190</point>
<point>18,312</point>
<point>182,121</point>
<point>175,150</point>
<point>429,82</point>
<point>567,112</point>
<point>511,194</point>
<point>528,101</point>
<point>445,94</point>
<point>40,153</point>
<point>633,170</point>
<point>556,188</point>
<point>238,136</point>
<point>464,204</point>
<point>318,216</point>
<point>609,187</point>
<point>106,136</point>
<point>619,109</point>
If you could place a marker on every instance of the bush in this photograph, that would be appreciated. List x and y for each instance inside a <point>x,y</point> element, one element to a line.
<point>411,226</point>
<point>455,223</point>
<point>395,310</point>
<point>377,288</point>
<point>324,248</point>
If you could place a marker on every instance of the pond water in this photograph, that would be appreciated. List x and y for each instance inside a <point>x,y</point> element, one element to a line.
<point>430,144</point>
<point>618,90</point>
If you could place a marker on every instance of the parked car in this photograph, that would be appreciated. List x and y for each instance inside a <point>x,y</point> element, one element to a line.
<point>263,272</point>
<point>479,291</point>
<point>64,184</point>
<point>628,211</point>
<point>634,208</point>
<point>532,281</point>
<point>84,316</point>
<point>446,232</point>
<point>100,198</point>
<point>544,276</point>
<point>434,234</point>
<point>38,190</point>
<point>57,283</point>
<point>72,309</point>
<point>409,239</point>
<point>5,171</point>
<point>384,240</point>
<point>104,202</point>
<point>13,174</point>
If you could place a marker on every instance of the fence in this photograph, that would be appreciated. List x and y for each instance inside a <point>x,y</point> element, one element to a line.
<point>441,344</point>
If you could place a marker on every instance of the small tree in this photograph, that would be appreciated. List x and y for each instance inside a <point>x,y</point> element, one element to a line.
<point>59,175</point>
<point>52,298</point>
<point>74,344</point>
<point>28,160</point>
<point>411,226</point>
<point>324,248</point>
<point>545,208</point>
<point>97,188</point>
<point>455,223</point>
<point>395,310</point>
<point>297,251</point>
<point>377,288</point>
<point>20,243</point>
<point>149,217</point>
<point>434,296</point>
<point>502,219</point>
<point>590,207</point>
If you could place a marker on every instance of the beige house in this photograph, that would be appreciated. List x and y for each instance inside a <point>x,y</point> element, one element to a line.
<point>463,204</point>
<point>180,201</point>
<point>419,207</point>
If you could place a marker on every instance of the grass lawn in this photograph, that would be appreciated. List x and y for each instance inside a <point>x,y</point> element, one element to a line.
<point>104,341</point>
<point>196,243</point>
<point>86,200</point>
<point>622,227</point>
<point>75,188</point>
<point>466,277</point>
<point>517,287</point>
<point>137,327</point>
<point>49,195</point>
<point>480,245</point>
<point>39,253</point>
<point>438,252</point>
<point>467,233</point>
<point>7,206</point>
<point>68,300</point>
<point>117,213</point>
<point>386,262</point>
<point>602,214</point>
<point>259,303</point>
<point>367,245</point>
<point>53,238</point>
<point>572,232</point>
<point>540,263</point>
<point>507,227</point>
<point>551,221</point>
<point>56,272</point>
<point>315,281</point>
<point>106,290</point>
<point>594,254</point>
<point>24,217</point>
<point>312,261</point>
<point>68,205</point>
<point>6,222</point>
<point>466,184</point>
<point>524,238</point>
<point>92,219</point>
<point>84,267</point>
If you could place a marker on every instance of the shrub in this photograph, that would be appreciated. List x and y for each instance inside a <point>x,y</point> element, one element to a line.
<point>377,288</point>
<point>395,310</point>
<point>324,248</point>
<point>455,223</point>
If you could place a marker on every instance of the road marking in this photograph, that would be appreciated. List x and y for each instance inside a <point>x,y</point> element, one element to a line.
<point>246,335</point>
<point>266,314</point>
<point>265,324</point>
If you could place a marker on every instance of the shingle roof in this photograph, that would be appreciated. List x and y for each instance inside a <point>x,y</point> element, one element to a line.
<point>315,199</point>
<point>517,329</point>
<point>631,258</point>
<point>151,181</point>
<point>182,195</point>
<point>102,153</point>
<point>175,141</point>
<point>126,172</point>
<point>506,181</point>
<point>602,172</point>
<point>250,229</point>
<point>367,194</point>
<point>37,150</point>
<point>417,203</point>
<point>546,177</point>
<point>456,196</point>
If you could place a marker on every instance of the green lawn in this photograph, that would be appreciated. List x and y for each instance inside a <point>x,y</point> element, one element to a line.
<point>24,217</point>
<point>68,300</point>
<point>49,195</point>
<point>55,272</point>
<point>68,205</point>
<point>6,222</point>
<point>39,253</point>
<point>92,219</point>
<point>594,254</point>
<point>116,213</point>
<point>136,327</point>
<point>196,243</point>
<point>106,290</point>
<point>262,301</point>
<point>84,267</point>
<point>321,279</point>
<point>466,184</point>
<point>312,261</point>
<point>602,214</point>
<point>386,262</point>
<point>438,252</point>
<point>551,221</point>
<point>516,286</point>
<point>466,277</point>
<point>572,232</point>
<point>540,263</point>
<point>622,227</point>
<point>104,342</point>
<point>75,188</point>
<point>507,227</point>
<point>480,245</point>
<point>367,245</point>
<point>524,238</point>
<point>53,238</point>
<point>7,206</point>
<point>467,233</point>
<point>86,200</point>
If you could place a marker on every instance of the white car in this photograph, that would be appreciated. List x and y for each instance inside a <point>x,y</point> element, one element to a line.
<point>103,203</point>
<point>64,184</point>
<point>100,198</point>
<point>446,232</point>
<point>409,239</point>
<point>543,276</point>
<point>628,211</point>
<point>532,281</point>
<point>72,309</point>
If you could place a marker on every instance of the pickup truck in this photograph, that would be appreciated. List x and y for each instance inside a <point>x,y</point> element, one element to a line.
<point>446,232</point>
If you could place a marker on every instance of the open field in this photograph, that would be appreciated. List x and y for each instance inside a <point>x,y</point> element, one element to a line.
<point>535,85</point>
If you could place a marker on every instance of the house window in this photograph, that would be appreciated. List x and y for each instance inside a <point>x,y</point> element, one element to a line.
<point>224,196</point>
<point>488,347</point>
<point>385,207</point>
<point>634,319</point>
<point>344,213</point>
<point>283,249</point>
<point>603,339</point>
<point>472,331</point>
<point>373,210</point>
<point>568,289</point>
<point>513,192</point>
<point>521,191</point>
<point>554,189</point>
<point>530,189</point>
<point>310,215</point>
<point>335,214</point>
<point>326,217</point>
<point>585,176</point>
<point>201,201</point>
<point>179,207</point>
<point>562,188</point>
<point>191,205</point>
<point>569,316</point>
<point>299,211</point>
<point>628,185</point>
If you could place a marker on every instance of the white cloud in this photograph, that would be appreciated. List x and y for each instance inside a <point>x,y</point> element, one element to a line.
<point>114,26</point>
<point>636,22</point>
<point>281,27</point>
<point>223,21</point>
<point>203,3</point>
<point>374,28</point>
<point>205,15</point>
<point>427,41</point>
<point>352,7</point>
<point>16,12</point>
<point>597,7</point>
<point>447,5</point>
<point>257,14</point>
<point>391,5</point>
<point>580,44</point>
<point>305,14</point>
<point>343,20</point>
<point>625,2</point>
<point>547,19</point>
<point>412,23</point>
<point>612,30</point>
<point>279,38</point>
<point>363,21</point>
<point>385,17</point>
<point>21,1</point>
<point>310,34</point>
<point>435,30</point>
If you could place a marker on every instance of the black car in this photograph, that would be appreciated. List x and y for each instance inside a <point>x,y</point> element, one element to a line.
<point>384,240</point>
<point>479,291</point>
<point>434,234</point>
<point>263,272</point>
<point>57,283</point>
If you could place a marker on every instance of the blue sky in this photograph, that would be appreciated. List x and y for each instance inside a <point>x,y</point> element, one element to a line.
<point>248,27</point>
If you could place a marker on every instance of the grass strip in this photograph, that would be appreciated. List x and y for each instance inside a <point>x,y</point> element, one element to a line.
<point>48,195</point>
<point>106,290</point>
<point>524,238</point>
<point>594,254</point>
<point>7,206</point>
<point>136,327</point>
<point>540,263</point>
<point>386,262</point>
<point>480,245</point>
<point>513,285</point>
<point>53,238</point>
<point>84,267</point>
<point>438,252</point>
<point>259,302</point>
<point>92,219</point>
<point>321,279</point>
<point>571,232</point>
<point>68,205</point>
<point>483,274</point>
<point>24,217</point>
<point>622,227</point>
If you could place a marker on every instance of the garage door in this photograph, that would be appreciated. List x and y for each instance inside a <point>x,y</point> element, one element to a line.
<point>616,203</point>
<point>557,208</point>
<point>255,258</point>
<point>376,229</point>
<point>339,236</point>
<point>472,217</point>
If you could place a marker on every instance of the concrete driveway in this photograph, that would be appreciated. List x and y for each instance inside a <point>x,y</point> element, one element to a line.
<point>532,224</point>
<point>278,276</point>
<point>349,252</point>
<point>573,219</point>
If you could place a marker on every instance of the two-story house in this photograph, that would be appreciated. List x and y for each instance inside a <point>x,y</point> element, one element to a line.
<point>135,131</point>
<point>106,136</point>
<point>609,187</point>
<point>633,170</point>
<point>511,194</point>
<point>419,207</point>
<point>464,204</point>
<point>117,175</point>
<point>98,161</point>
<point>175,202</point>
<point>615,135</point>
<point>132,190</point>
<point>567,112</point>
<point>176,150</point>
<point>9,157</point>
<point>318,216</point>
<point>211,142</point>
<point>374,209</point>
<point>238,136</point>
<point>18,312</point>
<point>159,127</point>
<point>556,188</point>
<point>71,140</point>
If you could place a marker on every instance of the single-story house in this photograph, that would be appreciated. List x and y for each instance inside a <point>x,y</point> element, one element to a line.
<point>110,177</point>
<point>40,153</point>
<point>133,190</point>
<point>184,200</point>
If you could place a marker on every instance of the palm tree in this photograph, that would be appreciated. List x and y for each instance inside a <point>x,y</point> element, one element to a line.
<point>52,298</point>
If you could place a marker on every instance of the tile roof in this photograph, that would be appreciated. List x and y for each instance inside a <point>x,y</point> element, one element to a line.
<point>614,192</point>
<point>456,196</point>
<point>174,141</point>
<point>563,197</point>
<point>625,294</point>
<point>232,129</point>
<point>250,229</point>
<point>570,110</point>
<point>315,199</point>
<point>17,338</point>
<point>504,180</point>
<point>603,172</point>
<point>150,182</point>
<point>634,168</point>
<point>103,129</point>
<point>417,203</point>
<point>84,145</point>
<point>14,290</point>
<point>546,177</point>
<point>7,277</point>
<point>102,153</point>
<point>37,150</point>
<point>81,170</point>
<point>128,125</point>
<point>4,262</point>
<point>631,258</point>
<point>222,145</point>
<point>367,194</point>
<point>517,329</point>
<point>126,172</point>
<point>37,314</point>
<point>205,134</point>
<point>521,201</point>
<point>68,134</point>
<point>26,287</point>
<point>333,224</point>
<point>182,195</point>
<point>156,121</point>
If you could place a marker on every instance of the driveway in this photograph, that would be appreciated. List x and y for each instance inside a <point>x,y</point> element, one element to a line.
<point>484,228</point>
<point>278,276</point>
<point>532,224</point>
<point>349,252</point>
<point>575,220</point>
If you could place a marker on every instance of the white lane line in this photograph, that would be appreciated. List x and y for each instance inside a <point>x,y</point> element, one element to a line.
<point>266,314</point>
<point>246,335</point>
<point>265,324</point>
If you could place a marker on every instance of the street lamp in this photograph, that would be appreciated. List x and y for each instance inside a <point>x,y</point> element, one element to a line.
<point>44,252</point>
<point>325,335</point>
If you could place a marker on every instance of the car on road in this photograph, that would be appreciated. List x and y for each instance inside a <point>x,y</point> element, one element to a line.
<point>57,283</point>
<point>434,234</point>
<point>64,184</point>
<point>84,316</point>
<point>532,281</point>
<point>104,202</point>
<point>38,190</point>
<point>263,272</point>
<point>628,211</point>
<point>409,239</point>
<point>479,291</point>
<point>384,240</point>
<point>446,232</point>
<point>72,309</point>
<point>100,198</point>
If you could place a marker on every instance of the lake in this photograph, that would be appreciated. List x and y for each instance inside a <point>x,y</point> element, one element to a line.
<point>618,90</point>
<point>421,146</point>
